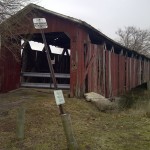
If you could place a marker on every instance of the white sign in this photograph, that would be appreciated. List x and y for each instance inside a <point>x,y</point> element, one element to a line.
<point>40,23</point>
<point>59,97</point>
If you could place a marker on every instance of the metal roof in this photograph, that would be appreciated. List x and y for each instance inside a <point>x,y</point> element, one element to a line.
<point>90,29</point>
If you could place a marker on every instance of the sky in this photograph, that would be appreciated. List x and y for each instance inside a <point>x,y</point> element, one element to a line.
<point>105,15</point>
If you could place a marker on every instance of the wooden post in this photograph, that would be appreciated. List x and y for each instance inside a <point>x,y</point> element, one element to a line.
<point>104,70</point>
<point>71,142</point>
<point>66,121</point>
<point>139,77</point>
<point>110,82</point>
<point>49,60</point>
<point>148,85</point>
<point>130,80</point>
<point>20,122</point>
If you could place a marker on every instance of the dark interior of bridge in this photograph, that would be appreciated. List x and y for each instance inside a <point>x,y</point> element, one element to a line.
<point>35,66</point>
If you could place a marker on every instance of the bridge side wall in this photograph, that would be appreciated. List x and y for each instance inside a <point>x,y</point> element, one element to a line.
<point>9,71</point>
<point>93,67</point>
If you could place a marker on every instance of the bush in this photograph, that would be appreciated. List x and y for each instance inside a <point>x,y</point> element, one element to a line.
<point>137,98</point>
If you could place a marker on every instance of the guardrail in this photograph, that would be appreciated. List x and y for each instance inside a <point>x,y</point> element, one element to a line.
<point>47,75</point>
<point>44,75</point>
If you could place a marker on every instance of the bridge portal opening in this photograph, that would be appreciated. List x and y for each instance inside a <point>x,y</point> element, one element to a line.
<point>35,70</point>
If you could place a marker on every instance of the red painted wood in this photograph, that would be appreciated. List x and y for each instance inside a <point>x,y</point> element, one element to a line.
<point>89,71</point>
<point>95,69</point>
<point>10,72</point>
<point>121,74</point>
<point>107,74</point>
<point>115,75</point>
<point>101,85</point>
<point>99,63</point>
<point>103,72</point>
<point>136,72</point>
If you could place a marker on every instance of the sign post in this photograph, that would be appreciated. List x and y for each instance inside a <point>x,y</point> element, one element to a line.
<point>40,23</point>
<point>66,121</point>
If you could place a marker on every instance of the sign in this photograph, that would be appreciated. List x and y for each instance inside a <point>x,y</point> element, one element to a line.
<point>59,97</point>
<point>40,23</point>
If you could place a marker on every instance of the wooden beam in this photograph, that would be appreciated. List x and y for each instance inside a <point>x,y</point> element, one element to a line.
<point>104,69</point>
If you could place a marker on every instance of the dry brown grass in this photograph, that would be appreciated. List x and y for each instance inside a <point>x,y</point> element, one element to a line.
<point>94,130</point>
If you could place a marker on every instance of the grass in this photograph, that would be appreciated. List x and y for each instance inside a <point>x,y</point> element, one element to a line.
<point>94,130</point>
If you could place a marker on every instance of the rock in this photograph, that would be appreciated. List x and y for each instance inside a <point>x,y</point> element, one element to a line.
<point>100,101</point>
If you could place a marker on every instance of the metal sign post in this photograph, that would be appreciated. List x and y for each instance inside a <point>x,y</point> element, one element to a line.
<point>66,121</point>
<point>40,23</point>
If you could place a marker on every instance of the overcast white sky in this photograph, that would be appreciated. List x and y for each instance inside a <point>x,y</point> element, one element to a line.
<point>105,15</point>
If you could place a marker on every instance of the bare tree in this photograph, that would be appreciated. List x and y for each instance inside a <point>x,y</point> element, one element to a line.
<point>135,39</point>
<point>10,7</point>
<point>9,27</point>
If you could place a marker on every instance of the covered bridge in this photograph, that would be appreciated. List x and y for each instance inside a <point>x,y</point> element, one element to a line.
<point>90,61</point>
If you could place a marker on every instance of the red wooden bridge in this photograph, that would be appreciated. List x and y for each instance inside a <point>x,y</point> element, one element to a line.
<point>90,61</point>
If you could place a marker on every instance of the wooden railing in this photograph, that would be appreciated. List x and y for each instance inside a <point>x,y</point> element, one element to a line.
<point>44,75</point>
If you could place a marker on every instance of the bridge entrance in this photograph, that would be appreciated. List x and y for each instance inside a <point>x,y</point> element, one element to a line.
<point>35,70</point>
